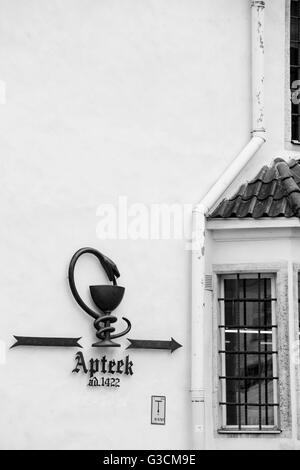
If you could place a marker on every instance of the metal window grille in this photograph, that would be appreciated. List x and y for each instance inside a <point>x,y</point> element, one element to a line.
<point>248,353</point>
<point>295,68</point>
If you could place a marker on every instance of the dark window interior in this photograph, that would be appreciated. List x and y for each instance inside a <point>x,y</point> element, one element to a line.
<point>248,353</point>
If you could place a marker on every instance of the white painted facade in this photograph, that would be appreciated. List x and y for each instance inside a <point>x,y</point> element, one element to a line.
<point>148,100</point>
<point>257,246</point>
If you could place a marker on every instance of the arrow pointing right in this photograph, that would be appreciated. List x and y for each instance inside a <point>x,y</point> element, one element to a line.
<point>150,344</point>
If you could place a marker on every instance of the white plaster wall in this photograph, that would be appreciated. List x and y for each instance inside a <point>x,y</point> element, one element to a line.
<point>147,99</point>
<point>107,98</point>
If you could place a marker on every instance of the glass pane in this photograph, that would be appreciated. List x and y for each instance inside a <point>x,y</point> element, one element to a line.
<point>266,366</point>
<point>230,287</point>
<point>294,29</point>
<point>294,54</point>
<point>295,128</point>
<point>232,415</point>
<point>294,8</point>
<point>248,340</point>
<point>233,387</point>
<point>251,288</point>
<point>231,340</point>
<point>253,416</point>
<point>267,415</point>
<point>233,313</point>
<point>253,388</point>
<point>266,340</point>
<point>251,368</point>
<point>232,365</point>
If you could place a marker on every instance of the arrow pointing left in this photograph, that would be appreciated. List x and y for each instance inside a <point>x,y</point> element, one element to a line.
<point>42,341</point>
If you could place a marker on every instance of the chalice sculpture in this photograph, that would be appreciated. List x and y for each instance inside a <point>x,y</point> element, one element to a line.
<point>107,298</point>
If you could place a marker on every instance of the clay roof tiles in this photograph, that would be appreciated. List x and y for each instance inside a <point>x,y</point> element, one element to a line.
<point>274,192</point>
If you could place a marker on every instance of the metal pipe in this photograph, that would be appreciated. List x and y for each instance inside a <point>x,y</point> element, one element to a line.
<point>199,227</point>
<point>258,59</point>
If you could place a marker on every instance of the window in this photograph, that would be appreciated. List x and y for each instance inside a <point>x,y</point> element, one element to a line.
<point>295,68</point>
<point>248,353</point>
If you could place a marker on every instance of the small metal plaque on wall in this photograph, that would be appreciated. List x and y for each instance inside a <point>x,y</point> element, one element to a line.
<point>158,410</point>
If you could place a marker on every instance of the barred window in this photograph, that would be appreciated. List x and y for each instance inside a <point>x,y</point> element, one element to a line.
<point>295,68</point>
<point>248,353</point>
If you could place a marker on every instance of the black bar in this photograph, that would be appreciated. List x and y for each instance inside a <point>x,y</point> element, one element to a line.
<point>259,356</point>
<point>243,377</point>
<point>245,357</point>
<point>102,458</point>
<point>239,357</point>
<point>46,342</point>
<point>248,328</point>
<point>261,405</point>
<point>240,299</point>
<point>269,353</point>
<point>266,358</point>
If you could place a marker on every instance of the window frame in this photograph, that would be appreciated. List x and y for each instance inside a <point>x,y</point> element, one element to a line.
<point>289,143</point>
<point>222,356</point>
<point>280,270</point>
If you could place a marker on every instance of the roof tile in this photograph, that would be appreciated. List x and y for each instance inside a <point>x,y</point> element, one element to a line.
<point>274,192</point>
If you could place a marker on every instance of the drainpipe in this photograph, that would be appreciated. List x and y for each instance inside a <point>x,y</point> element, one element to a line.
<point>199,226</point>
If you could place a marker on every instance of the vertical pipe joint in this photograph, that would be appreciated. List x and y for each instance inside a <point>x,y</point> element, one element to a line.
<point>258,4</point>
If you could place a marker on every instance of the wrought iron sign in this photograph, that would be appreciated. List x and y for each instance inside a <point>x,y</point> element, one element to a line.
<point>102,372</point>
<point>106,298</point>
<point>148,344</point>
<point>43,341</point>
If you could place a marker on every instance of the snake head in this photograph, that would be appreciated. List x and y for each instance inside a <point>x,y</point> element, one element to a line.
<point>110,268</point>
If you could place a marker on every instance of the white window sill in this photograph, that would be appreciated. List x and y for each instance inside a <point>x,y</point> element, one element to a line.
<point>249,431</point>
